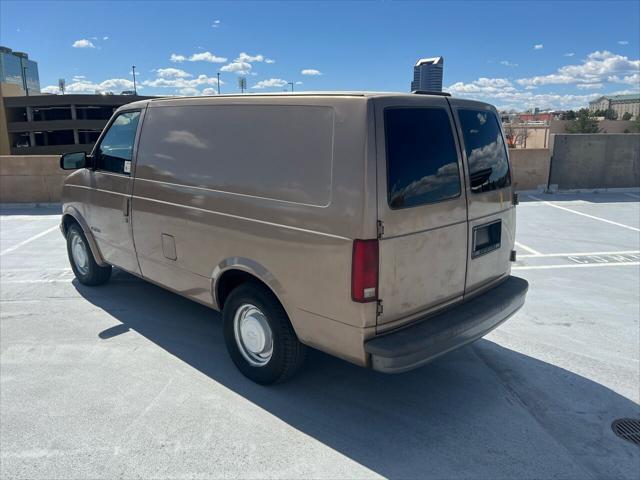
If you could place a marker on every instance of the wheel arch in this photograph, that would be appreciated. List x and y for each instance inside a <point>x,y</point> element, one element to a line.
<point>234,271</point>
<point>70,216</point>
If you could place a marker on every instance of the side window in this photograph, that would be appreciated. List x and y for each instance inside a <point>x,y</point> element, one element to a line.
<point>486,152</point>
<point>422,161</point>
<point>116,148</point>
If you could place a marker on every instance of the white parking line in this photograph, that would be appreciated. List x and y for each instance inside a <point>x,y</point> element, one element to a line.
<point>16,270</point>
<point>39,280</point>
<point>576,265</point>
<point>632,195</point>
<point>575,254</point>
<point>528,249</point>
<point>28,240</point>
<point>585,214</point>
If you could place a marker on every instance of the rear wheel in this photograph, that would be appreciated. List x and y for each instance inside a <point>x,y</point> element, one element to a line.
<point>259,335</point>
<point>84,266</point>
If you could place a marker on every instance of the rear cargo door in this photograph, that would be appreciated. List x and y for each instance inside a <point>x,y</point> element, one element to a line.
<point>422,208</point>
<point>489,195</point>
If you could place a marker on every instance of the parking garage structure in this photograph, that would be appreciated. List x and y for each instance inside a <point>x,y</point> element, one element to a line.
<point>54,124</point>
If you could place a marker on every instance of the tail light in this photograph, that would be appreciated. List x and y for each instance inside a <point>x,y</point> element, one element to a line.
<point>364,271</point>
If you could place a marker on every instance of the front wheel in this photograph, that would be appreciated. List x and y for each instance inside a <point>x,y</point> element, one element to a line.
<point>84,266</point>
<point>259,335</point>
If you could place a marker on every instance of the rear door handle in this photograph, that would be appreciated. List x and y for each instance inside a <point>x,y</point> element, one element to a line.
<point>125,206</point>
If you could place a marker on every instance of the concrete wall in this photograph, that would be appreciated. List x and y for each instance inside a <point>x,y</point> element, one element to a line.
<point>30,179</point>
<point>607,126</point>
<point>530,167</point>
<point>584,161</point>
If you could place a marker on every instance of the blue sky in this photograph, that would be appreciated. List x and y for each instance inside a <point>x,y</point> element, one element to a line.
<point>512,54</point>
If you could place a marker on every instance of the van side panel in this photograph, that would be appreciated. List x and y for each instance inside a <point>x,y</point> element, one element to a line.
<point>269,180</point>
<point>272,152</point>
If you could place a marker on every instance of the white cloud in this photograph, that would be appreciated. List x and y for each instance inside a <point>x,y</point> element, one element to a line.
<point>310,71</point>
<point>206,57</point>
<point>504,93</point>
<point>241,68</point>
<point>569,54</point>
<point>485,86</point>
<point>242,64</point>
<point>182,82</point>
<point>507,63</point>
<point>245,57</point>
<point>589,86</point>
<point>216,23</point>
<point>271,83</point>
<point>105,38</point>
<point>538,46</point>
<point>81,85</point>
<point>177,58</point>
<point>77,78</point>
<point>623,42</point>
<point>83,43</point>
<point>172,73</point>
<point>629,79</point>
<point>298,82</point>
<point>189,91</point>
<point>596,68</point>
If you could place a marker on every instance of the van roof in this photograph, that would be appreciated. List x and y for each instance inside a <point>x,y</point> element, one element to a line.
<point>305,94</point>
<point>337,94</point>
<point>295,94</point>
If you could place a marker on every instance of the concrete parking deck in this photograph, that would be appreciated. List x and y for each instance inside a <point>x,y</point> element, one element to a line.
<point>129,380</point>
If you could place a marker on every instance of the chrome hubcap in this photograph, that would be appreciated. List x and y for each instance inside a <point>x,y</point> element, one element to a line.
<point>253,335</point>
<point>79,254</point>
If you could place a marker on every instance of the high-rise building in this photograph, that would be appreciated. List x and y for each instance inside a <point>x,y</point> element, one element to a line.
<point>17,69</point>
<point>427,74</point>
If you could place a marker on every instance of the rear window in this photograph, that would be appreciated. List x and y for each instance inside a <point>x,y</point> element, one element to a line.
<point>486,153</point>
<point>422,163</point>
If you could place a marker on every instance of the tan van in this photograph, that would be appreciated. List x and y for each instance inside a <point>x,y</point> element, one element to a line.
<point>376,227</point>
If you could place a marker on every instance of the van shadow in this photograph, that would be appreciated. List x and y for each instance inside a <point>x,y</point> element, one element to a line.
<point>483,411</point>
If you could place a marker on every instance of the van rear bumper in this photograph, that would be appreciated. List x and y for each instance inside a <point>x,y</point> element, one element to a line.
<point>436,335</point>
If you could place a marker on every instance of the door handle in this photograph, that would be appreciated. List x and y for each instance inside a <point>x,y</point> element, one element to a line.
<point>125,206</point>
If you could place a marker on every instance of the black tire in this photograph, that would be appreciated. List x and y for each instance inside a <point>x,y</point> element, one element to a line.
<point>90,273</point>
<point>288,353</point>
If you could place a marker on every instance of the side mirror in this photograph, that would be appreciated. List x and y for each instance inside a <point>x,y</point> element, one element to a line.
<point>73,161</point>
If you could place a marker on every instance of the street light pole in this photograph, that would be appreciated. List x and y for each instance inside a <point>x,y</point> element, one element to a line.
<point>291,83</point>
<point>135,91</point>
<point>218,83</point>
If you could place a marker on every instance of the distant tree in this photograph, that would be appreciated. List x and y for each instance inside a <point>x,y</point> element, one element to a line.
<point>610,114</point>
<point>569,115</point>
<point>516,134</point>
<point>626,116</point>
<point>584,123</point>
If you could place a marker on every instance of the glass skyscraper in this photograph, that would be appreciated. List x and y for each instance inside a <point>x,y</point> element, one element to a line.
<point>427,74</point>
<point>16,68</point>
